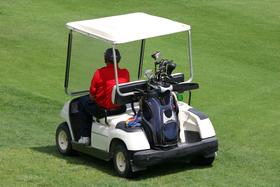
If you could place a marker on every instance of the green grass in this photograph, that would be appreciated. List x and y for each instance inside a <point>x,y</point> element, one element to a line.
<point>236,59</point>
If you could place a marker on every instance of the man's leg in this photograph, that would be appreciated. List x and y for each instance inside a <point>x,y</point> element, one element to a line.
<point>87,108</point>
<point>91,109</point>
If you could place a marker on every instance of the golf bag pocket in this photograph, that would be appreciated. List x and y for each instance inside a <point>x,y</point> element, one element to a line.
<point>170,132</point>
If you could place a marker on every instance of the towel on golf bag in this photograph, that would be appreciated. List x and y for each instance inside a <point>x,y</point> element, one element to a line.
<point>134,121</point>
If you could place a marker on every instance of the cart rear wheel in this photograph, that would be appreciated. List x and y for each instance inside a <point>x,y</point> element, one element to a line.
<point>121,160</point>
<point>204,161</point>
<point>63,139</point>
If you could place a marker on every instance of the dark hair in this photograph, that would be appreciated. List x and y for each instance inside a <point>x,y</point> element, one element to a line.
<point>109,57</point>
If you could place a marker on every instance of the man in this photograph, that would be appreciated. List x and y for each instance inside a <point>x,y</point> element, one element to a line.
<point>99,98</point>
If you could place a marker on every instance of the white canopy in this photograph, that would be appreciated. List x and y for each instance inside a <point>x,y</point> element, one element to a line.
<point>128,27</point>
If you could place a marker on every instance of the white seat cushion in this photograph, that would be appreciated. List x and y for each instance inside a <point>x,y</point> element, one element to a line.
<point>115,119</point>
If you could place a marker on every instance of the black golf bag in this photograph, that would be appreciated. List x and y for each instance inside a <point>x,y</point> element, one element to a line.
<point>160,119</point>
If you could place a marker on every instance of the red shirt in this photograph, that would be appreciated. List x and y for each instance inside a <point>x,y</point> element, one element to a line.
<point>103,82</point>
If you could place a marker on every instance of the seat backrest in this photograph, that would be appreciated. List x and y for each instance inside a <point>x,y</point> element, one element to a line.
<point>125,88</point>
<point>133,86</point>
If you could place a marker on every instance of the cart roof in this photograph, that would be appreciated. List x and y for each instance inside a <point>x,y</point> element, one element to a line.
<point>128,27</point>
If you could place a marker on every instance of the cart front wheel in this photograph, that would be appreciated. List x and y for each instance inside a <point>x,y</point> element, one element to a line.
<point>63,139</point>
<point>121,160</point>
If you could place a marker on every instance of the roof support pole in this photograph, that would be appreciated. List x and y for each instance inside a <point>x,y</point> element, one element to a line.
<point>68,59</point>
<point>190,56</point>
<point>115,67</point>
<point>141,59</point>
<point>116,74</point>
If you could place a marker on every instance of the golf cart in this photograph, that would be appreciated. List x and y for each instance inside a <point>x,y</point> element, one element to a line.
<point>167,128</point>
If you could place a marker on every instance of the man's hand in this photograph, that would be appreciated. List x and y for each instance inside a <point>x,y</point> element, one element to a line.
<point>92,97</point>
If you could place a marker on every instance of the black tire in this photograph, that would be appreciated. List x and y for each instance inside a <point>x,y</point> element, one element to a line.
<point>63,139</point>
<point>121,159</point>
<point>204,161</point>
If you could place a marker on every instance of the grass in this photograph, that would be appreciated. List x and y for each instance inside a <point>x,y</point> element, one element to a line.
<point>236,59</point>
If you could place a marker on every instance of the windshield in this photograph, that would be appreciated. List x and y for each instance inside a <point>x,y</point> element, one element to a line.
<point>87,55</point>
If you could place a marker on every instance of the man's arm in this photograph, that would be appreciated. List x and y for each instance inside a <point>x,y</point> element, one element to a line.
<point>92,91</point>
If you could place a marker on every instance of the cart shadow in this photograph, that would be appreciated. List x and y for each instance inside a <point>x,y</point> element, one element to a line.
<point>158,170</point>
<point>167,168</point>
<point>78,159</point>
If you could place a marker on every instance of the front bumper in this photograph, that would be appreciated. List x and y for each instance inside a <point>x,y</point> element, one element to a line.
<point>150,157</point>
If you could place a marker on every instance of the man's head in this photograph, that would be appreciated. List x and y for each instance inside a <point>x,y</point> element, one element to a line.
<point>109,57</point>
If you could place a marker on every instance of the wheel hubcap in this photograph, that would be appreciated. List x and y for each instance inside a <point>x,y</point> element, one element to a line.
<point>121,164</point>
<point>62,140</point>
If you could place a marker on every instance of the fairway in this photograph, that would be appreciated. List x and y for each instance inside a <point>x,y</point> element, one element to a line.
<point>236,62</point>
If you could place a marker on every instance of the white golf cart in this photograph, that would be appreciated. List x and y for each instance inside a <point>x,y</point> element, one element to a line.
<point>169,128</point>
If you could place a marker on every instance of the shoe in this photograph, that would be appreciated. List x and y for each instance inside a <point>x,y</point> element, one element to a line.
<point>84,140</point>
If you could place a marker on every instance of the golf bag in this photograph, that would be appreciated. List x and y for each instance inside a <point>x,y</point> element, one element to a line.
<point>160,119</point>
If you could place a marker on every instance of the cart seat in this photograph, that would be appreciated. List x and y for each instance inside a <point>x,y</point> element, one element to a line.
<point>115,119</point>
